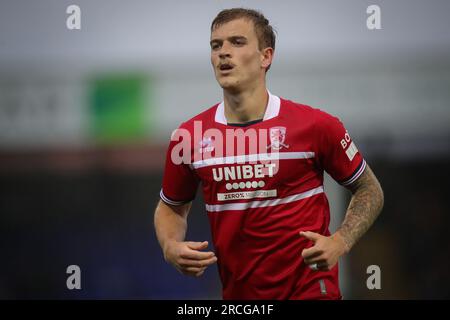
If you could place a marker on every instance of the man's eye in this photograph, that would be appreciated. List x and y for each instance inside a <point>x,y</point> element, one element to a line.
<point>215,46</point>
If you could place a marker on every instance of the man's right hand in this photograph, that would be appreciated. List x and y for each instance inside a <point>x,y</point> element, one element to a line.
<point>187,257</point>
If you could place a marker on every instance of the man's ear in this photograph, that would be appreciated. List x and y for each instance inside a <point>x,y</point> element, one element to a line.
<point>267,56</point>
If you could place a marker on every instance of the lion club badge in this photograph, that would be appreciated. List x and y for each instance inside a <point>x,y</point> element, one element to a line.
<point>277,137</point>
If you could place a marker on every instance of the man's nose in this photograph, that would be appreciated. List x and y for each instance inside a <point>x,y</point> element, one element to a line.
<point>224,55</point>
<point>225,51</point>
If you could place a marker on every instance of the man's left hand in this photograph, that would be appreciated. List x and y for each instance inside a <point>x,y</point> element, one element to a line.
<point>325,252</point>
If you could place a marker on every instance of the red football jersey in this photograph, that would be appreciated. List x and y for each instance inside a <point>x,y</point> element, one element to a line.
<point>263,184</point>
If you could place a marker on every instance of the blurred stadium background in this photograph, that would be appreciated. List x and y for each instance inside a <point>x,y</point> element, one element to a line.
<point>86,115</point>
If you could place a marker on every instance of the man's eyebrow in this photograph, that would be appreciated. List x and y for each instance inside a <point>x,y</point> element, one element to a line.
<point>237,37</point>
<point>229,38</point>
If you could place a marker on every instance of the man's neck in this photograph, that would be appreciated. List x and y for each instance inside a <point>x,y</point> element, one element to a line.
<point>246,106</point>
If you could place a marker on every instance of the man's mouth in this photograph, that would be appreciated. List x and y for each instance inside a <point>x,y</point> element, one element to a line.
<point>225,66</point>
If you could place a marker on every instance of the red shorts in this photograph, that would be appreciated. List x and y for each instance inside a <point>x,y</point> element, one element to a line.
<point>317,285</point>
<point>304,284</point>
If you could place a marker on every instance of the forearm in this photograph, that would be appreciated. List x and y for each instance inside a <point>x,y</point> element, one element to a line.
<point>170,223</point>
<point>365,206</point>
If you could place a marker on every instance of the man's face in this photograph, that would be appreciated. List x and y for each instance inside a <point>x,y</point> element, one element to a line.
<point>235,56</point>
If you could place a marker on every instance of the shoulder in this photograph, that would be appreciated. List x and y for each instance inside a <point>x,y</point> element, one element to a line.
<point>306,112</point>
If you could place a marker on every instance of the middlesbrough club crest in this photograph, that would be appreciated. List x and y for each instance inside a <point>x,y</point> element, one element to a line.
<point>277,138</point>
<point>206,145</point>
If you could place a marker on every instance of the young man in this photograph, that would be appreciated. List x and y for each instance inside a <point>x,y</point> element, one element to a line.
<point>265,201</point>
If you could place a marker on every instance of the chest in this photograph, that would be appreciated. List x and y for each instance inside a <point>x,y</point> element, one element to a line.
<point>255,158</point>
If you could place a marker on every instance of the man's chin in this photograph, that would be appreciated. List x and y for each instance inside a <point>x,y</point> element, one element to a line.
<point>228,85</point>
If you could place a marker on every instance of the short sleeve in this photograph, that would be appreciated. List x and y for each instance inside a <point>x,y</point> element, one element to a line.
<point>337,152</point>
<point>179,181</point>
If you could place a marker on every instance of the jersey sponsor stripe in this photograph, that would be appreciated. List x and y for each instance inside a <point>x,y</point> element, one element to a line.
<point>246,195</point>
<point>253,158</point>
<point>263,203</point>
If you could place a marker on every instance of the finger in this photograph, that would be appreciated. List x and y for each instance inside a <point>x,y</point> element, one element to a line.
<point>197,263</point>
<point>318,259</point>
<point>197,245</point>
<point>310,235</point>
<point>193,270</point>
<point>311,252</point>
<point>319,266</point>
<point>199,273</point>
<point>196,255</point>
<point>187,273</point>
<point>323,266</point>
<point>187,263</point>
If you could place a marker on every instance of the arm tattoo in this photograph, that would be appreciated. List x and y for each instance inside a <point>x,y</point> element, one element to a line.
<point>365,206</point>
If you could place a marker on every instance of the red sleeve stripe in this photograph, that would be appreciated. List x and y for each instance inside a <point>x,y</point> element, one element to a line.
<point>171,202</point>
<point>355,175</point>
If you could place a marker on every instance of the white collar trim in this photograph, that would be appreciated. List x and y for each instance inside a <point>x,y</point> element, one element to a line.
<point>272,110</point>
